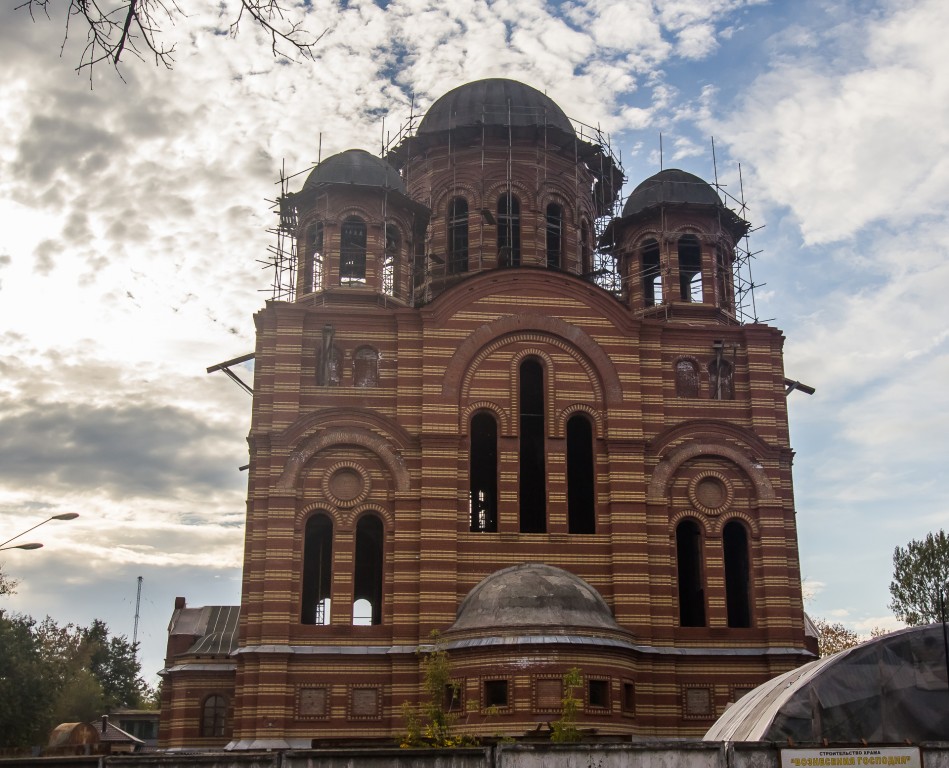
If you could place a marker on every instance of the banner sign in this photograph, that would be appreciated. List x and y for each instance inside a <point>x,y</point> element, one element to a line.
<point>859,757</point>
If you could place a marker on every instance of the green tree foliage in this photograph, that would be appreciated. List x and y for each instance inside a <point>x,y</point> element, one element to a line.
<point>51,674</point>
<point>920,571</point>
<point>565,729</point>
<point>7,585</point>
<point>26,687</point>
<point>430,723</point>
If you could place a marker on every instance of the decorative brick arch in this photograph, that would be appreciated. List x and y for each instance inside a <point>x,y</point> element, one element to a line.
<point>669,465</point>
<point>718,525</point>
<point>459,188</point>
<point>551,330</point>
<point>690,514</point>
<point>502,416</point>
<point>328,438</point>
<point>596,418</point>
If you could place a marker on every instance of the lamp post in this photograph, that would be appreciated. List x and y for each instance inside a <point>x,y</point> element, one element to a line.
<point>36,545</point>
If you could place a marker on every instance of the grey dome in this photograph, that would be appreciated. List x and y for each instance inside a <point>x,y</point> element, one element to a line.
<point>671,186</point>
<point>533,595</point>
<point>497,102</point>
<point>355,166</point>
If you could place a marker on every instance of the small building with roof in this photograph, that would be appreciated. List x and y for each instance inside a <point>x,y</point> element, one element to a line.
<point>490,403</point>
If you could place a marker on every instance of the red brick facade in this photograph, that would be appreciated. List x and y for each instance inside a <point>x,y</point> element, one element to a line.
<point>665,414</point>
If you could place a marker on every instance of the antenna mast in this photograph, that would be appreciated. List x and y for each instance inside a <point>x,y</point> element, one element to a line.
<point>138,602</point>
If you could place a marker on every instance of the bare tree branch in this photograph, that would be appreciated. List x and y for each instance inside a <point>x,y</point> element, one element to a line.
<point>136,27</point>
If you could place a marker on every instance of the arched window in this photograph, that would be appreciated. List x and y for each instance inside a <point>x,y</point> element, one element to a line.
<point>352,251</point>
<point>690,268</point>
<point>687,379</point>
<point>483,473</point>
<point>213,716</point>
<point>317,570</point>
<point>586,264</point>
<point>721,380</point>
<point>509,231</point>
<point>581,480</point>
<point>458,236</point>
<point>689,573</point>
<point>366,367</point>
<point>554,236</point>
<point>313,264</point>
<point>367,578</point>
<point>651,270</point>
<point>532,481</point>
<point>390,260</point>
<point>737,574</point>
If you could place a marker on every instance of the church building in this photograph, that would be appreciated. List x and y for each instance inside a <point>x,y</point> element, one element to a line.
<point>495,406</point>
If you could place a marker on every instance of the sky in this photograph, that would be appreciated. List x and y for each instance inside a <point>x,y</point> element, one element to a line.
<point>134,216</point>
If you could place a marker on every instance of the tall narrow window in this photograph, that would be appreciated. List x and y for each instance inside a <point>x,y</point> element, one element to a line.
<point>554,236</point>
<point>689,572</point>
<point>581,507</point>
<point>509,231</point>
<point>313,267</point>
<point>586,264</point>
<point>687,379</point>
<point>458,236</point>
<point>532,483</point>
<point>367,579</point>
<point>352,251</point>
<point>723,280</point>
<point>721,380</point>
<point>483,473</point>
<point>317,570</point>
<point>390,261</point>
<point>737,574</point>
<point>651,273</point>
<point>213,714</point>
<point>366,367</point>
<point>690,268</point>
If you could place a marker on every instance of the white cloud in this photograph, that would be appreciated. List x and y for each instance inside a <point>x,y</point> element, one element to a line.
<point>846,136</point>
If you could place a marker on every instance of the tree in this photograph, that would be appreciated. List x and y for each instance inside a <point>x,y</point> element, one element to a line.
<point>26,688</point>
<point>51,674</point>
<point>137,27</point>
<point>7,585</point>
<point>835,637</point>
<point>430,723</point>
<point>920,575</point>
<point>565,729</point>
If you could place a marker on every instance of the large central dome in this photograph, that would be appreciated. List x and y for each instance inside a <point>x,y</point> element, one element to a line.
<point>497,102</point>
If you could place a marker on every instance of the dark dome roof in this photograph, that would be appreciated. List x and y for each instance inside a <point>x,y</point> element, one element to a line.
<point>495,101</point>
<point>671,186</point>
<point>355,166</point>
<point>533,595</point>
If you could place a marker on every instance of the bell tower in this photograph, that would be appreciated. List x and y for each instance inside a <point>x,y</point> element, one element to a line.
<point>675,244</point>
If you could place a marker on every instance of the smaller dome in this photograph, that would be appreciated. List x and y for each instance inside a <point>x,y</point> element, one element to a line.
<point>533,595</point>
<point>356,166</point>
<point>494,102</point>
<point>671,186</point>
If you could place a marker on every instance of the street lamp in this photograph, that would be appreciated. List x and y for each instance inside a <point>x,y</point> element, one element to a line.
<point>36,545</point>
<point>31,545</point>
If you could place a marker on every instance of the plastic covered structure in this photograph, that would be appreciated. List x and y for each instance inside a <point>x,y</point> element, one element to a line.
<point>891,689</point>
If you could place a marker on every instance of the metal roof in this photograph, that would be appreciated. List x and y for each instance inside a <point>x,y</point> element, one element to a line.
<point>355,166</point>
<point>495,101</point>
